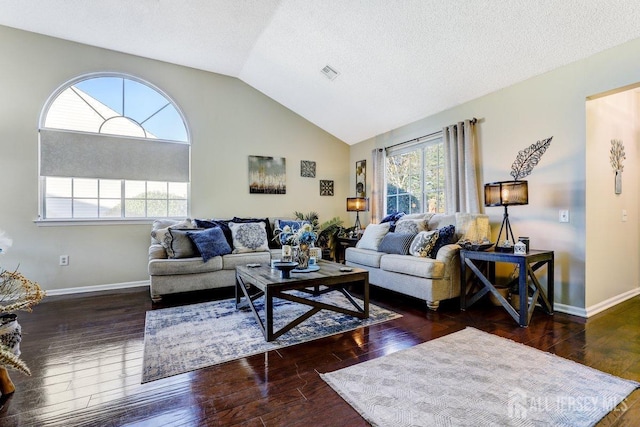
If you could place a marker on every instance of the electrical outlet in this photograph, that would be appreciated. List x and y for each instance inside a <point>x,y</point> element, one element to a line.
<point>564,215</point>
<point>64,259</point>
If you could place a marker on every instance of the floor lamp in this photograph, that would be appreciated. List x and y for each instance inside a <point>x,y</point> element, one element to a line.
<point>357,205</point>
<point>506,193</point>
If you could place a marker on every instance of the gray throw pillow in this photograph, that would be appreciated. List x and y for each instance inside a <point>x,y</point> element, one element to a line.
<point>181,245</point>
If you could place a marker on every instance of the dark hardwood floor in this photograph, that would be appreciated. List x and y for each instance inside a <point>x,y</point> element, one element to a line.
<point>85,353</point>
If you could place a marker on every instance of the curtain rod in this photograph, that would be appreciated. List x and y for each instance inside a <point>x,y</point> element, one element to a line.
<point>473,121</point>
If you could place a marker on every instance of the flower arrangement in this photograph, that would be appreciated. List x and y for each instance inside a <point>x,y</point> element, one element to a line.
<point>302,236</point>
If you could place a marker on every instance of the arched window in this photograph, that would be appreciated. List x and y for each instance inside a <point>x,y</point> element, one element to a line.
<point>112,146</point>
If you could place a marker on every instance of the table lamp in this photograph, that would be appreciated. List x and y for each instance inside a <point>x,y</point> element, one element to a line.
<point>357,205</point>
<point>506,193</point>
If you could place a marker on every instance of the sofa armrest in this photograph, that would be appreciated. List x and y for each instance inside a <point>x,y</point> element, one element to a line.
<point>450,256</point>
<point>157,251</point>
<point>448,252</point>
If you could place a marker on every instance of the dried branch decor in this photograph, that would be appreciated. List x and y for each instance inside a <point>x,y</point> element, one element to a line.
<point>528,158</point>
<point>617,155</point>
<point>16,293</point>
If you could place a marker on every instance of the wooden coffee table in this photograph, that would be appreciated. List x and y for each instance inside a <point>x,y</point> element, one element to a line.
<point>255,282</point>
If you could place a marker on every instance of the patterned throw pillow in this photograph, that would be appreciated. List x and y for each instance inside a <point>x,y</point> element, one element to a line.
<point>392,219</point>
<point>161,234</point>
<point>249,237</point>
<point>210,242</point>
<point>446,236</point>
<point>413,226</point>
<point>373,235</point>
<point>272,243</point>
<point>423,243</point>
<point>396,243</point>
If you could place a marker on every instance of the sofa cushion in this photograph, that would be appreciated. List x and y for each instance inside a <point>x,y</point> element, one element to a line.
<point>423,243</point>
<point>168,267</point>
<point>413,226</point>
<point>365,257</point>
<point>373,235</point>
<point>441,220</point>
<point>424,215</point>
<point>473,227</point>
<point>231,261</point>
<point>414,266</point>
<point>396,243</point>
<point>210,242</point>
<point>446,236</point>
<point>181,245</point>
<point>249,237</point>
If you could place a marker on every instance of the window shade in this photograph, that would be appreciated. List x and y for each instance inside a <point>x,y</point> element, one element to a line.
<point>83,155</point>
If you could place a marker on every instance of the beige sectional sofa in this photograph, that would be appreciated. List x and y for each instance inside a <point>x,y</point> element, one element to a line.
<point>429,279</point>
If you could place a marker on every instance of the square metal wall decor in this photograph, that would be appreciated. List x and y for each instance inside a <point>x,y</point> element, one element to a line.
<point>307,169</point>
<point>326,187</point>
<point>267,175</point>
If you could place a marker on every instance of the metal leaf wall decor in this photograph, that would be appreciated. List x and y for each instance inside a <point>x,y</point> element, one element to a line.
<point>617,155</point>
<point>528,158</point>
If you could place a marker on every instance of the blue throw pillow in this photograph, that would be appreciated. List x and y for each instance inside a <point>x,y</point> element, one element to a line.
<point>210,242</point>
<point>223,224</point>
<point>446,236</point>
<point>392,219</point>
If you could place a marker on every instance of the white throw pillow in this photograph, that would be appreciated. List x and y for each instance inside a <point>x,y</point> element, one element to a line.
<point>373,235</point>
<point>249,237</point>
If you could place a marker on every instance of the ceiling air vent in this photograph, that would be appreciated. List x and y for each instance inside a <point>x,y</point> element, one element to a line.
<point>329,72</point>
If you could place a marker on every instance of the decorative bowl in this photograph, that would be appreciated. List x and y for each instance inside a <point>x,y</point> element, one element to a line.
<point>477,246</point>
<point>285,268</point>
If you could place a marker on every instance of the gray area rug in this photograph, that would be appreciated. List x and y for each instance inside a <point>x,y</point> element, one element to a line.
<point>472,378</point>
<point>183,339</point>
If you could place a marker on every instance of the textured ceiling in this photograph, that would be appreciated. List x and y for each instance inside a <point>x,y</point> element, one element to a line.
<point>398,60</point>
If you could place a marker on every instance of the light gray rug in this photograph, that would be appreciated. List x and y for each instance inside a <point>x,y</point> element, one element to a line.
<point>472,378</point>
<point>186,338</point>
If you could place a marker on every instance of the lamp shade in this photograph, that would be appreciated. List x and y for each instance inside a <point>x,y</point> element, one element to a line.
<point>506,193</point>
<point>357,204</point>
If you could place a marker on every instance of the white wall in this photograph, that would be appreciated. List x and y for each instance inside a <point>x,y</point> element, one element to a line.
<point>228,121</point>
<point>613,245</point>
<point>552,104</point>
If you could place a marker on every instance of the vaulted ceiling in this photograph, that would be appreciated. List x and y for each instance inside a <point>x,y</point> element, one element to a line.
<point>397,60</point>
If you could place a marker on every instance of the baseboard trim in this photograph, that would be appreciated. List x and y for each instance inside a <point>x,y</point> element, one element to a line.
<point>597,308</point>
<point>602,306</point>
<point>97,288</point>
<point>570,309</point>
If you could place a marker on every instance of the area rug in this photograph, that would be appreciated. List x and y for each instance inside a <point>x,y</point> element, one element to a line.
<point>186,338</point>
<point>472,378</point>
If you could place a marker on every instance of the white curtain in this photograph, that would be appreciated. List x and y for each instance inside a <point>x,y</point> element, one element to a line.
<point>461,170</point>
<point>377,201</point>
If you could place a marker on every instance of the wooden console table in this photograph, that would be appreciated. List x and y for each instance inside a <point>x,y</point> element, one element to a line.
<point>527,265</point>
